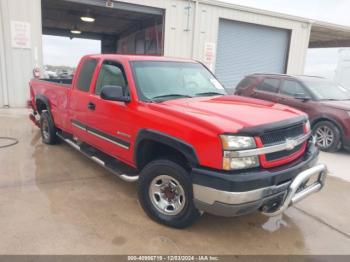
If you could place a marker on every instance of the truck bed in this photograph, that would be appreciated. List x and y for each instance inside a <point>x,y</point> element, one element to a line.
<point>63,81</point>
<point>54,90</point>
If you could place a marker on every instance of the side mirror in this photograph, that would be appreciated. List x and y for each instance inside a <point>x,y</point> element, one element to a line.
<point>302,96</point>
<point>113,93</point>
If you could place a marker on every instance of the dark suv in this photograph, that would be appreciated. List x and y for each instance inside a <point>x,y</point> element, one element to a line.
<point>326,103</point>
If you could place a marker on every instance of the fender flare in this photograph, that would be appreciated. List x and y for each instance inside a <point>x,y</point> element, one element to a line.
<point>151,135</point>
<point>44,100</point>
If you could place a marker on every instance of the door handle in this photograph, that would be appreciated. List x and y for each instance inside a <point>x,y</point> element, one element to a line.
<point>91,106</point>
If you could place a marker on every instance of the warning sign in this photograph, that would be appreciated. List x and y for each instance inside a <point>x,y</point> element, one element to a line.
<point>20,34</point>
<point>209,54</point>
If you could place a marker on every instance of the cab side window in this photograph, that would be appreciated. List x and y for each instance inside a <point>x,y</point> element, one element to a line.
<point>291,88</point>
<point>111,73</point>
<point>85,76</point>
<point>269,85</point>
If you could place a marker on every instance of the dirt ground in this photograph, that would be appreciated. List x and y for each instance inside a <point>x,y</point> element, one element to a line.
<point>53,200</point>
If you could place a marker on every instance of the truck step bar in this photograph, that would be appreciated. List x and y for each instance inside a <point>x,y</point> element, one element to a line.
<point>107,162</point>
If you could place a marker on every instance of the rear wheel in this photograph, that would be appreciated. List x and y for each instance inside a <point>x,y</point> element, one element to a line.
<point>48,129</point>
<point>328,137</point>
<point>165,194</point>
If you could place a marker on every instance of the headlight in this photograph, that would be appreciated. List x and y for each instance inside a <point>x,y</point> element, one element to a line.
<point>233,143</point>
<point>234,163</point>
<point>237,142</point>
<point>307,126</point>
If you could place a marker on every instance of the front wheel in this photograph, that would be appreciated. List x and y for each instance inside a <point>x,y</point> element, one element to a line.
<point>165,194</point>
<point>328,137</point>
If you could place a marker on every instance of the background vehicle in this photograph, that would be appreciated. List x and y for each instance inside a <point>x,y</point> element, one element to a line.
<point>168,124</point>
<point>326,103</point>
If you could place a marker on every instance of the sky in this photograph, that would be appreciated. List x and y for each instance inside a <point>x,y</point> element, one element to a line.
<point>63,51</point>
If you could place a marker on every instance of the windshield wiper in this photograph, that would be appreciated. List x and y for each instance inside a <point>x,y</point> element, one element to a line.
<point>171,96</point>
<point>209,94</point>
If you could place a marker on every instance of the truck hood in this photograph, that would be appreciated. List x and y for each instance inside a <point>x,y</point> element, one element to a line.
<point>226,113</point>
<point>341,104</point>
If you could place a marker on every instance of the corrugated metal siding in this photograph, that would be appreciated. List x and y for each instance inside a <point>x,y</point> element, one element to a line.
<point>2,61</point>
<point>20,62</point>
<point>179,42</point>
<point>209,21</point>
<point>245,48</point>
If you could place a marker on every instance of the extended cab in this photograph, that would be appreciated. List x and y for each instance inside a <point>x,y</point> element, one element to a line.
<point>168,124</point>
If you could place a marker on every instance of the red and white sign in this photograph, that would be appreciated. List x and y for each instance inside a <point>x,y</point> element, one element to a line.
<point>209,54</point>
<point>20,34</point>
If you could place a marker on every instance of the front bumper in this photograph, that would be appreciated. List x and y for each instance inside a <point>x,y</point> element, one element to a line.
<point>269,190</point>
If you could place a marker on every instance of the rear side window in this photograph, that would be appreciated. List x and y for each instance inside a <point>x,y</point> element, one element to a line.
<point>291,88</point>
<point>269,85</point>
<point>245,83</point>
<point>85,75</point>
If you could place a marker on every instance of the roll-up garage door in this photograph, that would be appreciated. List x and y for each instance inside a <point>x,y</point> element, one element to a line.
<point>245,48</point>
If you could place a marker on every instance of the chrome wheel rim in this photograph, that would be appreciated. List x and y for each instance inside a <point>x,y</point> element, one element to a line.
<point>167,195</point>
<point>324,136</point>
<point>45,128</point>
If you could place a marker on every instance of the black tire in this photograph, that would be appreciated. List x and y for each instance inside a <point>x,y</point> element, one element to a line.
<point>333,146</point>
<point>188,214</point>
<point>48,129</point>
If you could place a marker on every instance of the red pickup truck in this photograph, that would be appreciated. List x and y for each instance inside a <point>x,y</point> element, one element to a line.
<point>169,124</point>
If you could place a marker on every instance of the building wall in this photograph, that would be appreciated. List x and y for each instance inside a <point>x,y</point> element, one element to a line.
<point>2,64</point>
<point>204,23</point>
<point>187,33</point>
<point>17,64</point>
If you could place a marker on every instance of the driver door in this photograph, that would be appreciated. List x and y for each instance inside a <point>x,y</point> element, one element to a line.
<point>110,120</point>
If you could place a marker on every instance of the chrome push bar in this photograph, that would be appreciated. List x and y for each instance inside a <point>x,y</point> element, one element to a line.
<point>293,195</point>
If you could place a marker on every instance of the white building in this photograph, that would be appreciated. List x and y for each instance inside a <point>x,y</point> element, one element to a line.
<point>231,40</point>
<point>342,73</point>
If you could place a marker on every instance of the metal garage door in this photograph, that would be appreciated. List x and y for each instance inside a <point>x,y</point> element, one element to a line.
<point>249,48</point>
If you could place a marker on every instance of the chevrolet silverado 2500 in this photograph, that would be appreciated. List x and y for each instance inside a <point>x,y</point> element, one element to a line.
<point>168,124</point>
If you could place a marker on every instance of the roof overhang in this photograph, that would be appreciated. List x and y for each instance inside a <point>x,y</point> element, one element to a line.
<point>325,35</point>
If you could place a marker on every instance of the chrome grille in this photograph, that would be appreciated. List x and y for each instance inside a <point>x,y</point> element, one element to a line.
<point>282,154</point>
<point>280,135</point>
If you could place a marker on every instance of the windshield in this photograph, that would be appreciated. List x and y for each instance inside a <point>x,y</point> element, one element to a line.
<point>327,90</point>
<point>164,80</point>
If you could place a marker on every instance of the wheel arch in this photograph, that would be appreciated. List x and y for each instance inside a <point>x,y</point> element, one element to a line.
<point>329,119</point>
<point>150,144</point>
<point>42,103</point>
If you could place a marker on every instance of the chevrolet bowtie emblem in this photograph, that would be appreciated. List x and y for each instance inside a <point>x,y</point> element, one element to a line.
<point>290,143</point>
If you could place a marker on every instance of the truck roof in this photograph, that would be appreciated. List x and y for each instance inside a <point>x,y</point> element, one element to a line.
<point>138,57</point>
